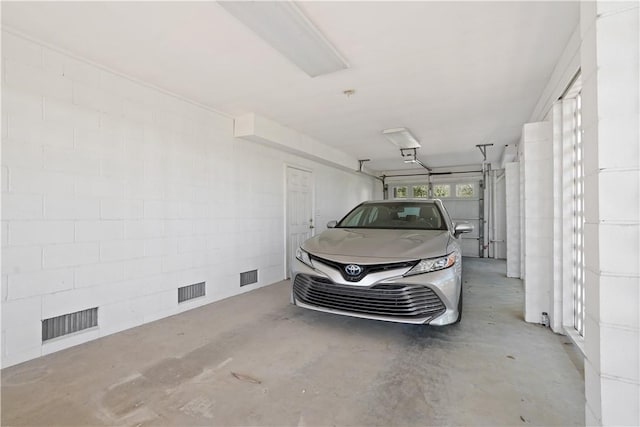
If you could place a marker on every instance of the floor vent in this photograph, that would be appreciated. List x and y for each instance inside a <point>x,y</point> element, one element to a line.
<point>186,293</point>
<point>248,277</point>
<point>69,323</point>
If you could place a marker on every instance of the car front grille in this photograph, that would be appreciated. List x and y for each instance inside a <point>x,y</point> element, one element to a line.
<point>366,268</point>
<point>399,300</point>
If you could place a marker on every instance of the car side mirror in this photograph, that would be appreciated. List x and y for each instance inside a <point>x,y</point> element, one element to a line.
<point>461,228</point>
<point>332,224</point>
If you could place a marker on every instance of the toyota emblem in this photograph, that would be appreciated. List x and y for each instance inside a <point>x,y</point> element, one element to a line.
<point>353,270</point>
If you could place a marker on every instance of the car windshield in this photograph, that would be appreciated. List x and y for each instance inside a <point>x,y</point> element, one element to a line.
<point>398,215</point>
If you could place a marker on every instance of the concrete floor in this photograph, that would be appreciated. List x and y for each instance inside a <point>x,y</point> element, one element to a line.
<point>299,367</point>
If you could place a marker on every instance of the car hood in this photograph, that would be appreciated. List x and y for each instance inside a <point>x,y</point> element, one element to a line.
<point>374,245</point>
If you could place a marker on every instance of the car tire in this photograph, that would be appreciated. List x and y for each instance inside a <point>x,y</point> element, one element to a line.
<point>459,307</point>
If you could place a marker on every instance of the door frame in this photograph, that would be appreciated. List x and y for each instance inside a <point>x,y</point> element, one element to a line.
<point>286,167</point>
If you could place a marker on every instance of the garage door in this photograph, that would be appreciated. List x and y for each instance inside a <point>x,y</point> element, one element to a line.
<point>460,197</point>
<point>462,200</point>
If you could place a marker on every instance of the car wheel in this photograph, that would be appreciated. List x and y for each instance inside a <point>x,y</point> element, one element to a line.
<point>459,307</point>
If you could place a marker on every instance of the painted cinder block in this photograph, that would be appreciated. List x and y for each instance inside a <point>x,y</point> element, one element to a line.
<point>142,267</point>
<point>622,363</point>
<point>71,254</point>
<point>18,259</point>
<point>53,61</point>
<point>37,283</point>
<point>69,114</point>
<point>90,186</point>
<point>192,244</point>
<point>21,50</point>
<point>98,230</point>
<point>4,178</point>
<point>622,134</point>
<point>23,180</point>
<point>21,104</point>
<point>619,196</point>
<point>119,316</point>
<point>143,228</point>
<point>24,338</point>
<point>177,262</point>
<point>40,232</point>
<point>161,246</point>
<point>156,179</point>
<point>591,198</point>
<point>94,98</point>
<point>97,274</point>
<point>121,249</point>
<point>71,161</point>
<point>592,391</point>
<point>21,206</point>
<point>70,301</point>
<point>21,154</point>
<point>102,141</point>
<point>137,112</point>
<point>41,133</point>
<point>81,71</point>
<point>620,402</point>
<point>178,227</point>
<point>619,249</point>
<point>36,81</point>
<point>121,209</point>
<point>62,207</point>
<point>619,301</point>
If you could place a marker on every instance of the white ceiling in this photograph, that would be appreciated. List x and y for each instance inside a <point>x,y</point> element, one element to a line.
<point>456,74</point>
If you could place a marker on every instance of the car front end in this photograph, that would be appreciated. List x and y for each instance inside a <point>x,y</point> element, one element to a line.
<point>389,291</point>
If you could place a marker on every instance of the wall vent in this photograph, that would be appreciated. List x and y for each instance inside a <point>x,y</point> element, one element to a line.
<point>248,277</point>
<point>186,293</point>
<point>69,323</point>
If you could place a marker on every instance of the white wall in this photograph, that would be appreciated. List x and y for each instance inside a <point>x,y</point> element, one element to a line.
<point>608,53</point>
<point>500,215</point>
<point>610,69</point>
<point>114,194</point>
<point>536,164</point>
<point>513,218</point>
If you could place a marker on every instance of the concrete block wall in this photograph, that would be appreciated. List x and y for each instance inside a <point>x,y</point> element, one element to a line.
<point>513,218</point>
<point>537,165</point>
<point>114,194</point>
<point>610,69</point>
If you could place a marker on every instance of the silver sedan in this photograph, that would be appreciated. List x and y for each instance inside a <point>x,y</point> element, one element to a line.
<point>390,260</point>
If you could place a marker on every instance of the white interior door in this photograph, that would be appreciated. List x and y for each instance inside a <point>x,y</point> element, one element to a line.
<point>299,210</point>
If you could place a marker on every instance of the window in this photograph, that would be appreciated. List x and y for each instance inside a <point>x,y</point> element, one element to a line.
<point>441,190</point>
<point>400,192</point>
<point>416,215</point>
<point>578,220</point>
<point>464,190</point>
<point>420,191</point>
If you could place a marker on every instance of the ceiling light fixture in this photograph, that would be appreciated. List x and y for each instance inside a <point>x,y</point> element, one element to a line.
<point>401,137</point>
<point>283,25</point>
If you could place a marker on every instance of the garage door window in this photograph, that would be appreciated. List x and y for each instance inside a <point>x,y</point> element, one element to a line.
<point>400,192</point>
<point>441,190</point>
<point>420,191</point>
<point>464,190</point>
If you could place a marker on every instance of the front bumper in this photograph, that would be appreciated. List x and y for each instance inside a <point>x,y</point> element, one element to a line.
<point>429,298</point>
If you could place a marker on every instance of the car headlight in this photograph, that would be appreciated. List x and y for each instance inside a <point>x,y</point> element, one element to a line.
<point>433,264</point>
<point>303,256</point>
